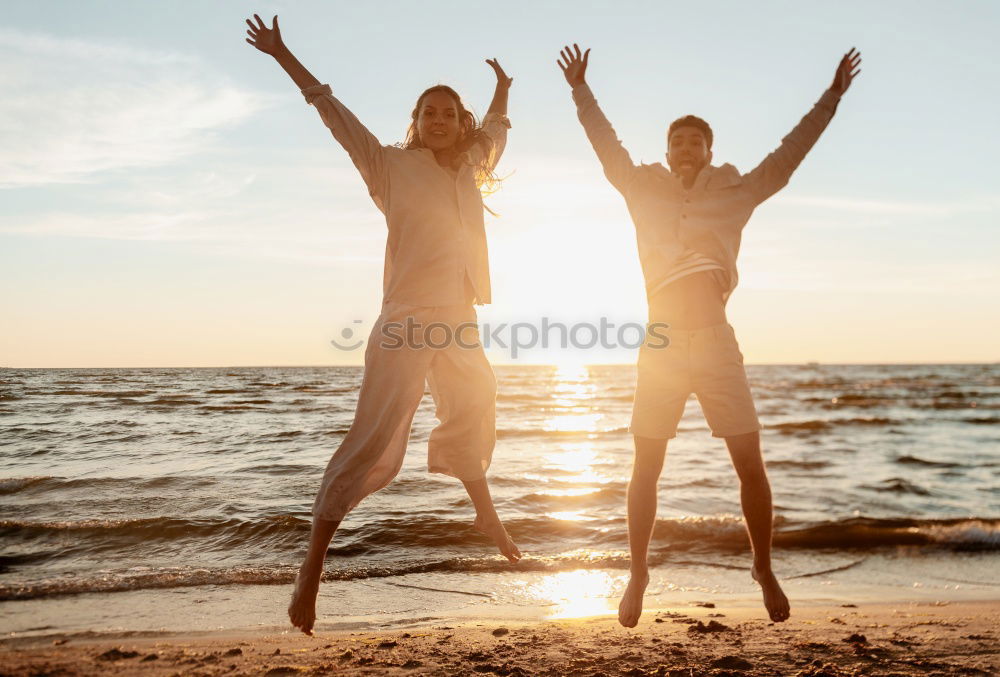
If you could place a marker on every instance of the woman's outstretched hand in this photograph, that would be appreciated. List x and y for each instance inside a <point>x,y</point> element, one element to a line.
<point>502,79</point>
<point>267,40</point>
<point>847,69</point>
<point>575,66</point>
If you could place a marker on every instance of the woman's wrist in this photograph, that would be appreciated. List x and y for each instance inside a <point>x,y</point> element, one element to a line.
<point>280,51</point>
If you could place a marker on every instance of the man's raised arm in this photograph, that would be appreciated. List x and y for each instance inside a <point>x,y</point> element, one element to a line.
<point>773,173</point>
<point>618,166</point>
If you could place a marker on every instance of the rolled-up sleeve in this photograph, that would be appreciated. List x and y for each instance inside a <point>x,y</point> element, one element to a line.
<point>774,172</point>
<point>494,127</point>
<point>367,154</point>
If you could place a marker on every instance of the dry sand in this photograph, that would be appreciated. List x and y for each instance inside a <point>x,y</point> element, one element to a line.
<point>897,639</point>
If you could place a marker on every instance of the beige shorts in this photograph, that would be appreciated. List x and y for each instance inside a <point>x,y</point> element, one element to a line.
<point>706,362</point>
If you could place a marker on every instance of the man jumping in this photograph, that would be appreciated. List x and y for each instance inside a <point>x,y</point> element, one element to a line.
<point>688,222</point>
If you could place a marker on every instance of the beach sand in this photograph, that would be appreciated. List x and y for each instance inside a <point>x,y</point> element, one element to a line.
<point>868,639</point>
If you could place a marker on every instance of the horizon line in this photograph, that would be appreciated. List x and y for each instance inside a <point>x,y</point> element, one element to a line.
<point>537,364</point>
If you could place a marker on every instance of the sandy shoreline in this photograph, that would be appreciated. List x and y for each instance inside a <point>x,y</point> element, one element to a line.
<point>870,639</point>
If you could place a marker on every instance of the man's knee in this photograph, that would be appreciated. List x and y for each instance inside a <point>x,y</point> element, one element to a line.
<point>649,455</point>
<point>744,450</point>
<point>750,468</point>
<point>752,474</point>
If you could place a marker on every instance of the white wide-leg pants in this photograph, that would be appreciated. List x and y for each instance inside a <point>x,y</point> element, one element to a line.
<point>408,346</point>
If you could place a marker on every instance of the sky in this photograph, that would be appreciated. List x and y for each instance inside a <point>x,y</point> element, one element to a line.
<point>168,199</point>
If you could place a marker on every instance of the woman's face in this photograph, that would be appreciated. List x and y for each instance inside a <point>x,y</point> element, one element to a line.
<point>438,123</point>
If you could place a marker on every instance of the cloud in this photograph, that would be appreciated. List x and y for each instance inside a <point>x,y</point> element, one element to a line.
<point>266,206</point>
<point>74,109</point>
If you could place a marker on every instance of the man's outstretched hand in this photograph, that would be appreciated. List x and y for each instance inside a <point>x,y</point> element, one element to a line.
<point>575,66</point>
<point>267,40</point>
<point>847,69</point>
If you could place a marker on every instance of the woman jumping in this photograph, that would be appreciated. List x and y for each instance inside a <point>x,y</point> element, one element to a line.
<point>436,268</point>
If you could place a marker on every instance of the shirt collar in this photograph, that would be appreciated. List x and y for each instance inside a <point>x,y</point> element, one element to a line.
<point>711,176</point>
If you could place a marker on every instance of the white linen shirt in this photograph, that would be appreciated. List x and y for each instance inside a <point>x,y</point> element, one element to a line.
<point>708,219</point>
<point>437,238</point>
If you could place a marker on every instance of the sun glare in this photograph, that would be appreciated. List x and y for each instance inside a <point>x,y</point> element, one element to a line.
<point>573,392</point>
<point>575,491</point>
<point>574,463</point>
<point>573,423</point>
<point>571,371</point>
<point>570,516</point>
<point>575,594</point>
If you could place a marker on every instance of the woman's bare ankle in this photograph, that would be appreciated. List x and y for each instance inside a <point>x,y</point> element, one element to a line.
<point>488,517</point>
<point>639,571</point>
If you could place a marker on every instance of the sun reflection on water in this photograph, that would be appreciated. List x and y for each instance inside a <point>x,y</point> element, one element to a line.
<point>572,371</point>
<point>575,491</point>
<point>571,516</point>
<point>572,460</point>
<point>576,462</point>
<point>573,422</point>
<point>575,594</point>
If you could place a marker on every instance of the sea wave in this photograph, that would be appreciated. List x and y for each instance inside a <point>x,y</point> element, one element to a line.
<point>864,533</point>
<point>849,535</point>
<point>816,425</point>
<point>898,485</point>
<point>12,485</point>
<point>47,483</point>
<point>100,393</point>
<point>915,460</point>
<point>422,533</point>
<point>798,465</point>
<point>505,433</point>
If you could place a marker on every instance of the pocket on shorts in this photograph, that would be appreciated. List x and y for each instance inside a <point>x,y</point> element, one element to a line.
<point>732,346</point>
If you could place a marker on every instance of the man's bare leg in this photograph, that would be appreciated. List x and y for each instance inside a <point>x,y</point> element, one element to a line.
<point>642,501</point>
<point>302,610</point>
<point>755,497</point>
<point>487,520</point>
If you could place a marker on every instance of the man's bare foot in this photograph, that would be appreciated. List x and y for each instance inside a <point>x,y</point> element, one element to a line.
<point>302,609</point>
<point>493,527</point>
<point>774,598</point>
<point>630,607</point>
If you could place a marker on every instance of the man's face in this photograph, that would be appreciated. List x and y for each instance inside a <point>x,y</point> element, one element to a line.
<point>687,152</point>
<point>437,121</point>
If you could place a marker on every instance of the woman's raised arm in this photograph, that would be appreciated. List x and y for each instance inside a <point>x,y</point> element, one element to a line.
<point>499,103</point>
<point>268,40</point>
<point>365,150</point>
<point>495,122</point>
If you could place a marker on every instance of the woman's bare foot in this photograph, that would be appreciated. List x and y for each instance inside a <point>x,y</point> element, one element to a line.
<point>302,609</point>
<point>774,598</point>
<point>630,607</point>
<point>493,527</point>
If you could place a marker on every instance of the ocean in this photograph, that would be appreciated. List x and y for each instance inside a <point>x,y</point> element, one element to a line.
<point>154,499</point>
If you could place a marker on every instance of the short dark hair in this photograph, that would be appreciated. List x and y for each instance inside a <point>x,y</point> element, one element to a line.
<point>691,121</point>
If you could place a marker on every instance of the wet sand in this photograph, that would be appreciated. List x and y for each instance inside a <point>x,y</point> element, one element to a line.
<point>819,640</point>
